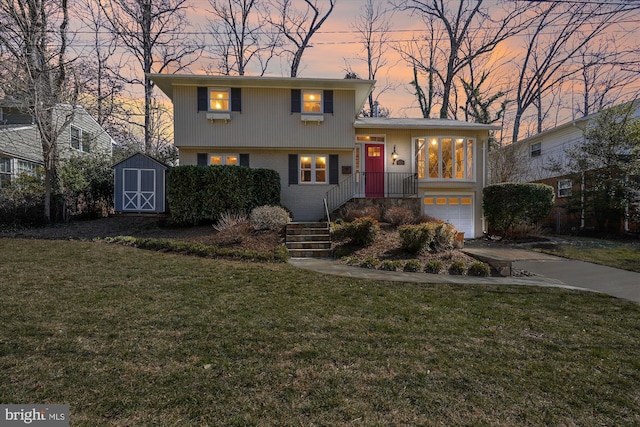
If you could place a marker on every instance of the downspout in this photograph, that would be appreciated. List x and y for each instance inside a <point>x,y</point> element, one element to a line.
<point>484,182</point>
<point>582,202</point>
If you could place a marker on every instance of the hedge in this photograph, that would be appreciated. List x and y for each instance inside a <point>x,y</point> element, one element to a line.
<point>511,204</point>
<point>200,194</point>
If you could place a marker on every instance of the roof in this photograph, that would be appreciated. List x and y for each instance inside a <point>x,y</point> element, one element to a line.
<point>165,83</point>
<point>165,166</point>
<point>406,123</point>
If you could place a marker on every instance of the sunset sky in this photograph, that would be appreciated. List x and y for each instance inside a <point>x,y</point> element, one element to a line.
<point>337,43</point>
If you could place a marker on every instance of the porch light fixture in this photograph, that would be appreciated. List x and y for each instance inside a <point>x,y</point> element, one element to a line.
<point>394,155</point>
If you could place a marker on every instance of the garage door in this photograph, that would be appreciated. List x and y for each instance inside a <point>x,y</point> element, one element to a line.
<point>456,210</point>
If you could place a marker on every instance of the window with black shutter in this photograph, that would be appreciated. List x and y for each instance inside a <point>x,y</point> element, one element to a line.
<point>296,100</point>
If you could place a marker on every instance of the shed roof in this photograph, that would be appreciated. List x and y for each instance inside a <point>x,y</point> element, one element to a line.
<point>408,123</point>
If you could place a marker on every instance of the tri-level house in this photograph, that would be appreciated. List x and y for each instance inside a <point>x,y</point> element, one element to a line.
<point>20,146</point>
<point>309,130</point>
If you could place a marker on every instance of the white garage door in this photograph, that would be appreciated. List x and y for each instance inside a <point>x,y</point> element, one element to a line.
<point>456,210</point>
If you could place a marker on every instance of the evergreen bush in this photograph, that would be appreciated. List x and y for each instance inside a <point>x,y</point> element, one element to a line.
<point>510,205</point>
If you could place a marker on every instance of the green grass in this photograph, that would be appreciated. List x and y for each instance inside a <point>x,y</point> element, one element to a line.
<point>623,255</point>
<point>133,337</point>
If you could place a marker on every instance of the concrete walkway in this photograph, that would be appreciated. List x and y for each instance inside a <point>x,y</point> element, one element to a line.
<point>543,270</point>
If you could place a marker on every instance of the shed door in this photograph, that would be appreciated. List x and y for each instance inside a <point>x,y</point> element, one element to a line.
<point>139,190</point>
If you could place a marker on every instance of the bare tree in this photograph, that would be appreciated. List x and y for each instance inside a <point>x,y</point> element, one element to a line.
<point>373,26</point>
<point>298,25</point>
<point>470,32</point>
<point>34,41</point>
<point>603,77</point>
<point>561,30</point>
<point>155,33</point>
<point>101,88</point>
<point>241,36</point>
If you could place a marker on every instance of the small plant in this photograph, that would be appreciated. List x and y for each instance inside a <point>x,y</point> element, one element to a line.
<point>369,262</point>
<point>480,269</point>
<point>361,232</point>
<point>229,220</point>
<point>433,266</point>
<point>399,215</point>
<point>281,253</point>
<point>416,239</point>
<point>444,236</point>
<point>457,268</point>
<point>412,266</point>
<point>390,265</point>
<point>269,218</point>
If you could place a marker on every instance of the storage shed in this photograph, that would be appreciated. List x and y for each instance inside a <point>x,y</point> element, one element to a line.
<point>139,185</point>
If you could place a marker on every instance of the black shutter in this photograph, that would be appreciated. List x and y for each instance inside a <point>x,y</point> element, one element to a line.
<point>244,159</point>
<point>293,169</point>
<point>202,159</point>
<point>328,101</point>
<point>236,99</point>
<point>296,101</point>
<point>203,99</point>
<point>333,168</point>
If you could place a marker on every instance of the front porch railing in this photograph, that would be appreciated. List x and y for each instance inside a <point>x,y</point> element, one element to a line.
<point>372,184</point>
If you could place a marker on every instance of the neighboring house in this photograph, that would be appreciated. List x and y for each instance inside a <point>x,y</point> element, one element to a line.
<point>544,158</point>
<point>20,146</point>
<point>308,130</point>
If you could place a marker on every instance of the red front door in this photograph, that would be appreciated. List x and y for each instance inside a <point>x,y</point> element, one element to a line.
<point>374,170</point>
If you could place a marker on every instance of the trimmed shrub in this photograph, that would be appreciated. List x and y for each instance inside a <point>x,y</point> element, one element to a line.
<point>360,232</point>
<point>369,262</point>
<point>265,188</point>
<point>269,218</point>
<point>412,266</point>
<point>399,215</point>
<point>512,204</point>
<point>480,269</point>
<point>198,194</point>
<point>457,268</point>
<point>433,266</point>
<point>416,239</point>
<point>444,236</point>
<point>390,265</point>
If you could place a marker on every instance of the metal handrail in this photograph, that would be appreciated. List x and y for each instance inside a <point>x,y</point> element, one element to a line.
<point>393,184</point>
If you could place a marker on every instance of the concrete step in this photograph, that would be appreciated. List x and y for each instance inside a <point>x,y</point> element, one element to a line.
<point>308,240</point>
<point>310,253</point>
<point>309,245</point>
<point>308,237</point>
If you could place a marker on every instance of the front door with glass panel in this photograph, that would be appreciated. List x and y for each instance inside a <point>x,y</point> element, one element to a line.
<point>374,170</point>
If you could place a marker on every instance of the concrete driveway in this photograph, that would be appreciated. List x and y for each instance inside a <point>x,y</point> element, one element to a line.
<point>577,274</point>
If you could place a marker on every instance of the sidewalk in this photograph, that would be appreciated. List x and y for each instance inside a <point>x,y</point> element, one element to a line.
<point>545,270</point>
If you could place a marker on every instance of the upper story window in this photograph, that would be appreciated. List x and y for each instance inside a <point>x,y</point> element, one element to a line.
<point>312,101</point>
<point>536,149</point>
<point>218,99</point>
<point>80,140</point>
<point>445,158</point>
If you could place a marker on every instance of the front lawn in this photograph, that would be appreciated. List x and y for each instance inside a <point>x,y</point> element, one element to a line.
<point>133,337</point>
<point>623,255</point>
